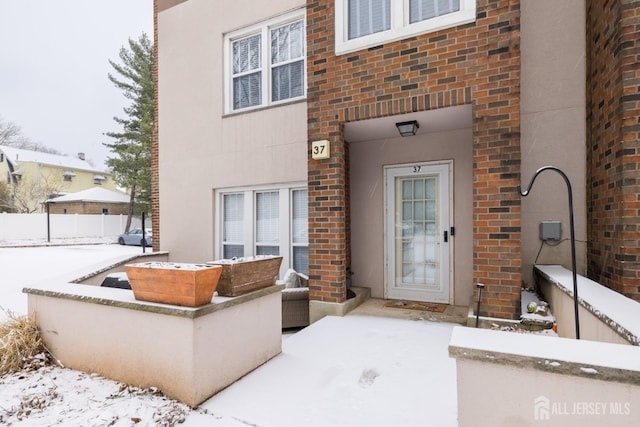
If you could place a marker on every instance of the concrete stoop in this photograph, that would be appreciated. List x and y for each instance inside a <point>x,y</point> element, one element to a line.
<point>320,309</point>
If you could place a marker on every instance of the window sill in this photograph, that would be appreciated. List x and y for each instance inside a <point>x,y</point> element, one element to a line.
<point>264,107</point>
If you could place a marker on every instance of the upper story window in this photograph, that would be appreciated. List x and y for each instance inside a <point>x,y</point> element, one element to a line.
<point>68,176</point>
<point>368,17</point>
<point>265,63</point>
<point>366,23</point>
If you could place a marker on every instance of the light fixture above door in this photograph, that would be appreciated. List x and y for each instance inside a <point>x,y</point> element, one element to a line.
<point>408,128</point>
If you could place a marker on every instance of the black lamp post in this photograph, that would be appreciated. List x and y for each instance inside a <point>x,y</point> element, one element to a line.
<point>573,237</point>
<point>144,234</point>
<point>48,204</point>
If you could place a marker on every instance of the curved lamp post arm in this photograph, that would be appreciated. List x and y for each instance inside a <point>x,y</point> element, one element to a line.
<point>573,237</point>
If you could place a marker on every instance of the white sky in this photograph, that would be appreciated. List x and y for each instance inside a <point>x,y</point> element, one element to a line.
<point>54,64</point>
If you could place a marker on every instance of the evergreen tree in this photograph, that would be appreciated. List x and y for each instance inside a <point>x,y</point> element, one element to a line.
<point>131,163</point>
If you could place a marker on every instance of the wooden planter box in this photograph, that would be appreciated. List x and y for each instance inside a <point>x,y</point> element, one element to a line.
<point>189,285</point>
<point>243,275</point>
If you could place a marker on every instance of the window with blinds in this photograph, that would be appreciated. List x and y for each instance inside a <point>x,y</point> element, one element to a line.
<point>420,10</point>
<point>266,63</point>
<point>287,61</point>
<point>300,231</point>
<point>265,221</point>
<point>247,65</point>
<point>368,17</point>
<point>232,226</point>
<point>360,24</point>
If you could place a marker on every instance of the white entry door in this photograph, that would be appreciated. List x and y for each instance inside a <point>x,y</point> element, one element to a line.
<point>418,232</point>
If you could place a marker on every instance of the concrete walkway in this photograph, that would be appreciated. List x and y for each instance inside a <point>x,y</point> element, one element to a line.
<point>351,371</point>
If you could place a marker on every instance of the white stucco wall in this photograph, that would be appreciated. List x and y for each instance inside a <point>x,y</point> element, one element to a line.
<point>188,353</point>
<point>553,126</point>
<point>201,149</point>
<point>509,379</point>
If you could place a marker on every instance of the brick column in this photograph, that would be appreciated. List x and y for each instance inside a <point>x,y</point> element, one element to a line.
<point>328,222</point>
<point>613,138</point>
<point>155,177</point>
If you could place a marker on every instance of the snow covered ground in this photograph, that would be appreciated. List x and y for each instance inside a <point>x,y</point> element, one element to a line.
<point>351,371</point>
<point>24,266</point>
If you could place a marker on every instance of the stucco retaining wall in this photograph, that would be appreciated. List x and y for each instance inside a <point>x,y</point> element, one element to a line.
<point>509,379</point>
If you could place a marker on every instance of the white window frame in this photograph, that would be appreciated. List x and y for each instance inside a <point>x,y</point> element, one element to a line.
<point>285,240</point>
<point>400,29</point>
<point>264,29</point>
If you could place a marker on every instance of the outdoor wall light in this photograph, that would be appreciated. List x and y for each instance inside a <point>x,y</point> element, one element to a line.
<point>408,128</point>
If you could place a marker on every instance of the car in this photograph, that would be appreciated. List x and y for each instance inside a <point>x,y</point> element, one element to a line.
<point>134,237</point>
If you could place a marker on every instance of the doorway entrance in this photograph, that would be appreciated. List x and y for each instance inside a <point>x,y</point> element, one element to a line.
<point>418,231</point>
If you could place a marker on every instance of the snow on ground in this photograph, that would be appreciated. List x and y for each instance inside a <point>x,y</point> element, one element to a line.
<point>55,396</point>
<point>24,266</point>
<point>351,371</point>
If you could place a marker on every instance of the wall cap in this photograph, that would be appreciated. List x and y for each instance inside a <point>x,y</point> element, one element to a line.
<point>617,311</point>
<point>582,358</point>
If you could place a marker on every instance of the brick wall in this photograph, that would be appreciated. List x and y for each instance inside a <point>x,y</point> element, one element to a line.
<point>613,125</point>
<point>155,177</point>
<point>477,64</point>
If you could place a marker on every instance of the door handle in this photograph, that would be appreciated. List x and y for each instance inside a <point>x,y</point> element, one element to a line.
<point>446,236</point>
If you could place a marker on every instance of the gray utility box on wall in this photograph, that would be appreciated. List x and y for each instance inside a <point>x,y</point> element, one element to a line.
<point>550,230</point>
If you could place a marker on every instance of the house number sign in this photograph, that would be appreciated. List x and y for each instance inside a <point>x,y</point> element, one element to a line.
<point>320,150</point>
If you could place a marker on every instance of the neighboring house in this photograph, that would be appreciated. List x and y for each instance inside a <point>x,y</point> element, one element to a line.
<point>94,201</point>
<point>34,176</point>
<point>284,119</point>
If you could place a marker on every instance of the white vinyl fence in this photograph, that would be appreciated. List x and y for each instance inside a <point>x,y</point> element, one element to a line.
<point>34,226</point>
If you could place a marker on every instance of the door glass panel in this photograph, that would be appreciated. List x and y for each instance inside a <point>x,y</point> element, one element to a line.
<point>406,210</point>
<point>406,189</point>
<point>431,189</point>
<point>417,245</point>
<point>430,210</point>
<point>418,210</point>
<point>418,189</point>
